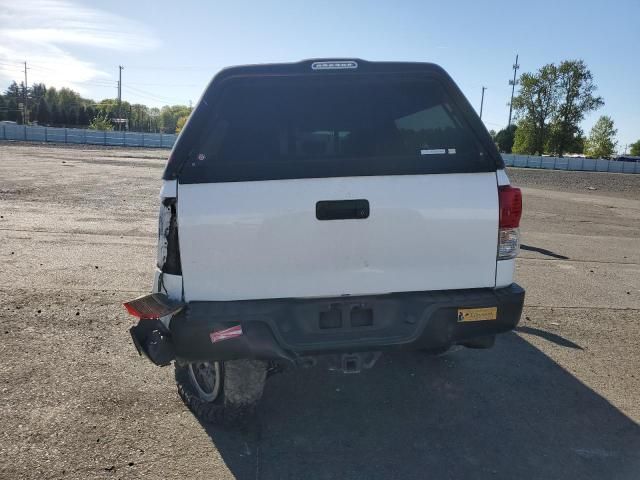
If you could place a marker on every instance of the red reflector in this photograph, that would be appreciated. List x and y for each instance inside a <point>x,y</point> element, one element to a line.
<point>510,200</point>
<point>155,305</point>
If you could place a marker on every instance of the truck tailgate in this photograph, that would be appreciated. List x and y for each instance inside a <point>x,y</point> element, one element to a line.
<point>258,240</point>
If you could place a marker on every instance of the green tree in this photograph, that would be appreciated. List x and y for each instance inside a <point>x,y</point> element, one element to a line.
<point>12,109</point>
<point>72,115</point>
<point>504,138</point>
<point>54,115</point>
<point>601,142</point>
<point>576,94</point>
<point>14,91</point>
<point>43,111</point>
<point>524,139</point>
<point>37,91</point>
<point>577,143</point>
<point>635,149</point>
<point>101,122</point>
<point>536,105</point>
<point>180,123</point>
<point>107,107</point>
<point>139,117</point>
<point>154,115</point>
<point>51,95</point>
<point>14,97</point>
<point>110,108</point>
<point>551,104</point>
<point>83,118</point>
<point>91,112</point>
<point>169,116</point>
<point>63,117</point>
<point>64,106</point>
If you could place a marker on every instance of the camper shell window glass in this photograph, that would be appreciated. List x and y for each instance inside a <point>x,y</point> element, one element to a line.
<point>286,127</point>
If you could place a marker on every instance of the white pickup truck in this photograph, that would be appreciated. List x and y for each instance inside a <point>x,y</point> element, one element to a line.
<point>326,209</point>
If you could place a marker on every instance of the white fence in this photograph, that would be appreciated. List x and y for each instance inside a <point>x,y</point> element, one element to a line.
<point>565,163</point>
<point>84,136</point>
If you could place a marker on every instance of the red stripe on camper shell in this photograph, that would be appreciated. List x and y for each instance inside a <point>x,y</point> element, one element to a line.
<point>226,334</point>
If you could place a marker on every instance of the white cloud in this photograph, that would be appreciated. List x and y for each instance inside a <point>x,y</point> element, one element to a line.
<point>43,32</point>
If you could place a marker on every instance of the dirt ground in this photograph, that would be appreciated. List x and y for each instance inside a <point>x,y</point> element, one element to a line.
<point>558,398</point>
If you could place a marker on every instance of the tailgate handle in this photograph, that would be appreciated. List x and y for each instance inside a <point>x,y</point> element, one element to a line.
<point>342,209</point>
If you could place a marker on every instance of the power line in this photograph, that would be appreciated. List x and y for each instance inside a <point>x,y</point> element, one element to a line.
<point>163,84</point>
<point>135,89</point>
<point>162,67</point>
<point>11,63</point>
<point>11,66</point>
<point>137,92</point>
<point>98,83</point>
<point>150,96</point>
<point>13,71</point>
<point>110,84</point>
<point>37,67</point>
<point>107,83</point>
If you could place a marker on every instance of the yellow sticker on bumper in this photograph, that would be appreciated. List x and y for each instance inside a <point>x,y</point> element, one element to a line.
<point>477,314</point>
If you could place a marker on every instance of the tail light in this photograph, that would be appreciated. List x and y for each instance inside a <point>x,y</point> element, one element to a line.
<point>152,306</point>
<point>510,206</point>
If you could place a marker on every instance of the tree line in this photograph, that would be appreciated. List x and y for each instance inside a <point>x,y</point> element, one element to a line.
<point>551,104</point>
<point>66,108</point>
<point>549,108</point>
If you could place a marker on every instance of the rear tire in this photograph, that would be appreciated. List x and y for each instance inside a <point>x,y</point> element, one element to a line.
<point>222,393</point>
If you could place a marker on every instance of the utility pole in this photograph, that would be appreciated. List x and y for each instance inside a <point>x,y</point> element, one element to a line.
<point>120,68</point>
<point>482,101</point>
<point>513,88</point>
<point>25,110</point>
<point>139,123</point>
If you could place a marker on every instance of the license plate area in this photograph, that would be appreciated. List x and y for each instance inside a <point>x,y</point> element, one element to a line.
<point>358,316</point>
<point>348,322</point>
<point>481,314</point>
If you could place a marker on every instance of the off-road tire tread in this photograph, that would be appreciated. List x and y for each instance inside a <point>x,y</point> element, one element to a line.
<point>245,380</point>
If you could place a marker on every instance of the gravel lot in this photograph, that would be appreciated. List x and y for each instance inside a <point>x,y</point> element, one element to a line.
<point>559,398</point>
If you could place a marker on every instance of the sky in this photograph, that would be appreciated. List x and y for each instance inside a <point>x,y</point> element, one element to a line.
<point>171,49</point>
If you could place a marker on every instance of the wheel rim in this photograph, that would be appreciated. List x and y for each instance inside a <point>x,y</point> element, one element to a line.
<point>206,379</point>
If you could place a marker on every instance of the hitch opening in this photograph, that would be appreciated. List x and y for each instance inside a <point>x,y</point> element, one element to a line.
<point>353,362</point>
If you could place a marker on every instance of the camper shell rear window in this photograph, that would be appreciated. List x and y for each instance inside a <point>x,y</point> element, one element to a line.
<point>276,127</point>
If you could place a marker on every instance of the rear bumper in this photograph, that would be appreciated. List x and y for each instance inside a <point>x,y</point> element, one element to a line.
<point>292,328</point>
